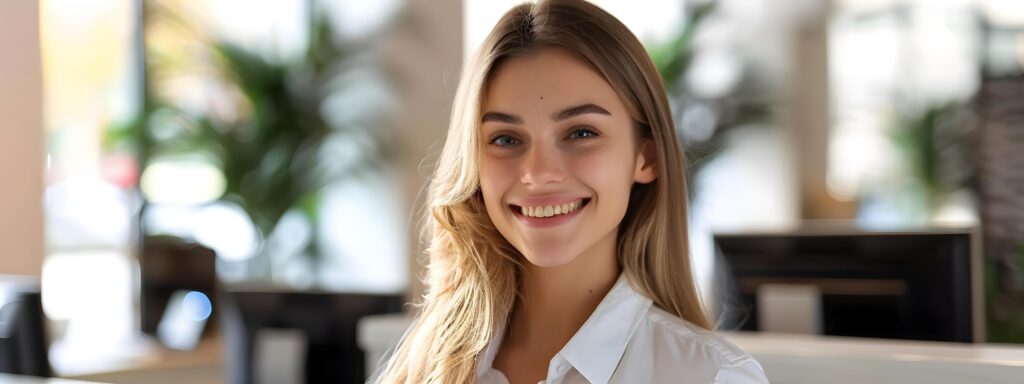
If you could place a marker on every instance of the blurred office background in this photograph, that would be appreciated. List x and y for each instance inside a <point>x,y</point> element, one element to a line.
<point>218,191</point>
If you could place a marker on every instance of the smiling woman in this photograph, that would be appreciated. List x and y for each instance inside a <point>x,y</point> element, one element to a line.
<point>570,140</point>
<point>558,245</point>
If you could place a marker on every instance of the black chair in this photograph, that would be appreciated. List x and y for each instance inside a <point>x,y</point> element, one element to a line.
<point>327,320</point>
<point>23,348</point>
<point>167,265</point>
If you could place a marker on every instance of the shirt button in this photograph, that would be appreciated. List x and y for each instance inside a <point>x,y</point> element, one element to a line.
<point>562,368</point>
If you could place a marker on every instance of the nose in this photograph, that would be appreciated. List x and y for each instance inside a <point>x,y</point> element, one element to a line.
<point>542,165</point>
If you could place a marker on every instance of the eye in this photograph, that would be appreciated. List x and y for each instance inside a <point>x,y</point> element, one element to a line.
<point>504,141</point>
<point>583,133</point>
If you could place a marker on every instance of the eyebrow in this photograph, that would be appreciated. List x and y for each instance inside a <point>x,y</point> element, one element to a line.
<point>557,116</point>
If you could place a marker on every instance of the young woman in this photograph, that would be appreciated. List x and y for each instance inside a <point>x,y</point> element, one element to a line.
<point>558,247</point>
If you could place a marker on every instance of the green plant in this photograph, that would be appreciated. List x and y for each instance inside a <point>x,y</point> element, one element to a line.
<point>936,145</point>
<point>743,105</point>
<point>1005,314</point>
<point>270,145</point>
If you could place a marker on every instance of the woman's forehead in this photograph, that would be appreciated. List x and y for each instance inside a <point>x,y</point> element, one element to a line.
<point>546,81</point>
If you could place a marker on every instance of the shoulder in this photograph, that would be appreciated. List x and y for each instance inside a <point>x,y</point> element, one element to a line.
<point>690,336</point>
<point>676,345</point>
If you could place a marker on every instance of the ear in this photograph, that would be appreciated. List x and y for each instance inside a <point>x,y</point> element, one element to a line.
<point>646,163</point>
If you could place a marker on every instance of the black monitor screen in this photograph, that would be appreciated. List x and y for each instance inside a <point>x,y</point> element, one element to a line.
<point>328,321</point>
<point>888,285</point>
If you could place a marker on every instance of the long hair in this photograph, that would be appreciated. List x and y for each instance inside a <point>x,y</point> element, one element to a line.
<point>472,272</point>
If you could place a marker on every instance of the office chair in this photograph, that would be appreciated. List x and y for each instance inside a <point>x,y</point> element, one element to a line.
<point>23,348</point>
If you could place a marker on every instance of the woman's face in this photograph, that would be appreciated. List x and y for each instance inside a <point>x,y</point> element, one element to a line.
<point>559,157</point>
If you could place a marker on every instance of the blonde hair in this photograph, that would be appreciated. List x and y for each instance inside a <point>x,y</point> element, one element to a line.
<point>472,273</point>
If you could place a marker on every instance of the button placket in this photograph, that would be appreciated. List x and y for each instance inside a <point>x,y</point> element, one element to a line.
<point>556,372</point>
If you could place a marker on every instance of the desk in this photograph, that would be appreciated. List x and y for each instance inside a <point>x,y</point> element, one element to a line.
<point>150,363</point>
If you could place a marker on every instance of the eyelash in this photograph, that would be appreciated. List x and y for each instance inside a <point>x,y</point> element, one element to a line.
<point>591,133</point>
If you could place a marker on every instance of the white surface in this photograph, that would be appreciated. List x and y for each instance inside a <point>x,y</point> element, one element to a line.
<point>789,308</point>
<point>280,356</point>
<point>791,359</point>
<point>798,359</point>
<point>15,379</point>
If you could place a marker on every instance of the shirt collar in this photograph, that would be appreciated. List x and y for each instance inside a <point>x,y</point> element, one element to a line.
<point>487,361</point>
<point>597,347</point>
<point>595,350</point>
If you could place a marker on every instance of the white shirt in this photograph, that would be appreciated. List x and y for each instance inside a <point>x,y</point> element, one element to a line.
<point>629,340</point>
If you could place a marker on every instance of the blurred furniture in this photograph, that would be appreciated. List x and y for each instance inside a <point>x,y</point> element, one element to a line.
<point>167,265</point>
<point>23,342</point>
<point>920,285</point>
<point>801,359</point>
<point>296,336</point>
<point>144,362</point>
<point>999,108</point>
<point>378,335</point>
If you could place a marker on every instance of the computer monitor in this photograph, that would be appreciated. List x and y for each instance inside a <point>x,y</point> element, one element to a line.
<point>23,348</point>
<point>323,324</point>
<point>901,285</point>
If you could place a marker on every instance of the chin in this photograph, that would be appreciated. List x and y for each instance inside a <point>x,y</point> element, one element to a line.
<point>550,257</point>
<point>549,262</point>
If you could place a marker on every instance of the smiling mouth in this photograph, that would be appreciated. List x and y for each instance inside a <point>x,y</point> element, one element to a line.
<point>551,210</point>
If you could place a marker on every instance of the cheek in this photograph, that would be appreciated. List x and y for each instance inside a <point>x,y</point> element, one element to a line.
<point>609,173</point>
<point>495,180</point>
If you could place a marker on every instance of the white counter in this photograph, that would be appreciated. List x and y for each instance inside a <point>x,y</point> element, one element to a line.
<point>792,359</point>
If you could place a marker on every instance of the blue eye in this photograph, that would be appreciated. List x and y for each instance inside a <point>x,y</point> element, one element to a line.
<point>504,141</point>
<point>582,133</point>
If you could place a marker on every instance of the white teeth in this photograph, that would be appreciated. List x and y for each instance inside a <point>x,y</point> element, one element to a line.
<point>552,210</point>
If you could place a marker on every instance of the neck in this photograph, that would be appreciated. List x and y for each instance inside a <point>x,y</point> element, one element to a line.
<point>556,301</point>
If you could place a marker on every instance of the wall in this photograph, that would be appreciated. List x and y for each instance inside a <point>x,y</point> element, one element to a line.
<point>21,139</point>
<point>426,53</point>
